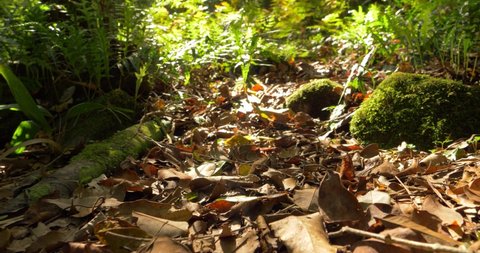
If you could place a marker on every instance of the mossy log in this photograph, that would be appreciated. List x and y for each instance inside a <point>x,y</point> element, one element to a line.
<point>94,160</point>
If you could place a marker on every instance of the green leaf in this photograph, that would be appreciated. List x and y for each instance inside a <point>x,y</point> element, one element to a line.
<point>25,101</point>
<point>16,107</point>
<point>83,108</point>
<point>26,130</point>
<point>12,107</point>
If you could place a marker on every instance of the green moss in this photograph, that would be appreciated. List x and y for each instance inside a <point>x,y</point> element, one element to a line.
<point>314,96</point>
<point>100,158</point>
<point>418,109</point>
<point>38,191</point>
<point>118,98</point>
<point>108,154</point>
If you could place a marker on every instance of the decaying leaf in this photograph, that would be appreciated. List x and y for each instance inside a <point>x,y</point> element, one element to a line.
<point>374,197</point>
<point>303,234</point>
<point>160,227</point>
<point>447,215</point>
<point>336,202</point>
<point>163,244</point>
<point>405,222</point>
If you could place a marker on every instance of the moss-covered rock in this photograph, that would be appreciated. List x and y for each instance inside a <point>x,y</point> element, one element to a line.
<point>314,97</point>
<point>418,109</point>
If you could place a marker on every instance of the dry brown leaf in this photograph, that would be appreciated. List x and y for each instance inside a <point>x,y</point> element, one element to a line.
<point>49,242</point>
<point>160,227</point>
<point>473,190</point>
<point>303,234</point>
<point>161,210</point>
<point>370,151</point>
<point>433,163</point>
<point>81,247</point>
<point>386,169</point>
<point>346,169</point>
<point>406,222</point>
<point>5,237</point>
<point>336,202</point>
<point>162,245</point>
<point>306,199</point>
<point>434,159</point>
<point>447,215</point>
<point>376,246</point>
<point>127,238</point>
<point>289,183</point>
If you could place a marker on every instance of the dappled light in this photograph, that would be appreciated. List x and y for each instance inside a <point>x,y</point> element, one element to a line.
<point>239,126</point>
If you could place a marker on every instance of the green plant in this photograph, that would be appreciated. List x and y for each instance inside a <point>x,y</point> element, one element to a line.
<point>231,36</point>
<point>445,29</point>
<point>85,43</point>
<point>25,102</point>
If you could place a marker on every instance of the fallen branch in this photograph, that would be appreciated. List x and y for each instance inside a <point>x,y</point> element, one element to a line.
<point>433,247</point>
<point>94,160</point>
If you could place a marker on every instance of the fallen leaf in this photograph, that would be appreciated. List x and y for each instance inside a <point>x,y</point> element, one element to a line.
<point>406,222</point>
<point>386,169</point>
<point>221,205</point>
<point>374,197</point>
<point>49,242</point>
<point>289,183</point>
<point>370,151</point>
<point>303,234</point>
<point>153,208</point>
<point>164,244</point>
<point>447,215</point>
<point>336,202</point>
<point>160,227</point>
<point>127,238</point>
<point>81,247</point>
<point>306,199</point>
<point>5,237</point>
<point>346,169</point>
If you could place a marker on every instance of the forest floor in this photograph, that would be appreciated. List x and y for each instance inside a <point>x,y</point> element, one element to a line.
<point>238,173</point>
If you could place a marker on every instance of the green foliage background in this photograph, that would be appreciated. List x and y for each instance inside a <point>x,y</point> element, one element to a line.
<point>135,45</point>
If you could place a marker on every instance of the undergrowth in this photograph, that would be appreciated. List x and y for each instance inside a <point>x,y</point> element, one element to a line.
<point>140,46</point>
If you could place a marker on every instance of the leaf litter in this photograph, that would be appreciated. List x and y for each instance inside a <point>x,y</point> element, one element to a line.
<point>238,173</point>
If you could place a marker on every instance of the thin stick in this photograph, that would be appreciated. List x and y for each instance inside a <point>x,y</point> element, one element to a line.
<point>439,195</point>
<point>408,191</point>
<point>433,247</point>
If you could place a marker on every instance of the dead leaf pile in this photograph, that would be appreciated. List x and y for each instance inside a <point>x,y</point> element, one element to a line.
<point>238,173</point>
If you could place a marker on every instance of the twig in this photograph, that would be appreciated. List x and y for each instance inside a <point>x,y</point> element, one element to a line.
<point>433,247</point>
<point>439,195</point>
<point>408,191</point>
